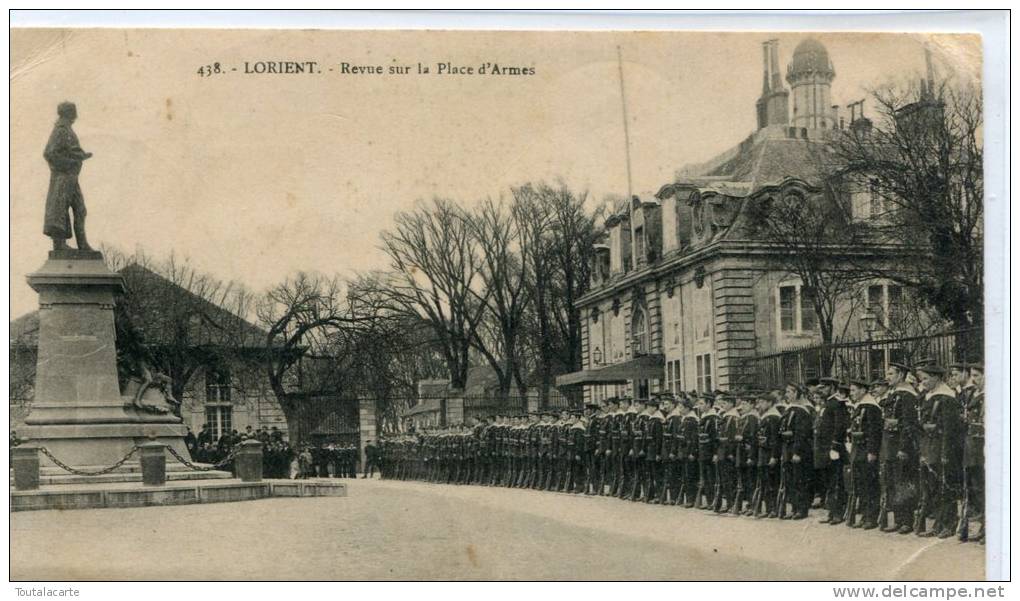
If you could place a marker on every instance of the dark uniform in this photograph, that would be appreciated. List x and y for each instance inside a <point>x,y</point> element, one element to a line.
<point>592,454</point>
<point>617,428</point>
<point>654,424</point>
<point>672,458</point>
<point>577,451</point>
<point>795,482</point>
<point>688,449</point>
<point>770,450</point>
<point>898,454</point>
<point>941,457</point>
<point>830,437</point>
<point>747,459</point>
<point>628,475</point>
<point>603,453</point>
<point>974,455</point>
<point>866,444</point>
<point>726,465</point>
<point>708,448</point>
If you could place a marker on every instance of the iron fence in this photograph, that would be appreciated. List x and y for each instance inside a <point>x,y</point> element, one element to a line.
<point>866,359</point>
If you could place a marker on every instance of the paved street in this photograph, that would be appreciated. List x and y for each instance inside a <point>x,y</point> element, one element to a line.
<point>409,530</point>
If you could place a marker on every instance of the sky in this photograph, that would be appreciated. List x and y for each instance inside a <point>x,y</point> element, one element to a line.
<point>254,177</point>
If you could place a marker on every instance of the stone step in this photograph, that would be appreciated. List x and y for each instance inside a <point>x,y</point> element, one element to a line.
<point>91,496</point>
<point>127,468</point>
<point>127,476</point>
<point>131,467</point>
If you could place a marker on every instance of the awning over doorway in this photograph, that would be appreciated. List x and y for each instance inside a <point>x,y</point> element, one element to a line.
<point>645,367</point>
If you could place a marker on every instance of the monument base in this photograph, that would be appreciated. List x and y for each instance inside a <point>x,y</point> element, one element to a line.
<point>101,444</point>
<point>79,414</point>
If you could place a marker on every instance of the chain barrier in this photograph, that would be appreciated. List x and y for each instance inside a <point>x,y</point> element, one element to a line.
<point>106,470</point>
<point>77,472</point>
<point>230,457</point>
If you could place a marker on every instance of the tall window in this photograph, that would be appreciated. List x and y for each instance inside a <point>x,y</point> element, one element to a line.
<point>808,317</point>
<point>702,300</point>
<point>674,325</point>
<point>618,337</point>
<point>703,364</point>
<point>673,377</point>
<point>867,203</point>
<point>885,302</point>
<point>639,331</point>
<point>788,308</point>
<point>220,419</point>
<point>796,309</point>
<point>877,205</point>
<point>217,385</point>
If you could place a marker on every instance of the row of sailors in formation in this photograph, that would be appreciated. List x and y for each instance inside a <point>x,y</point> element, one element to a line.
<point>863,451</point>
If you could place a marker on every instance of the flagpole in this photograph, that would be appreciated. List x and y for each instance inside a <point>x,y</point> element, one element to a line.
<point>626,126</point>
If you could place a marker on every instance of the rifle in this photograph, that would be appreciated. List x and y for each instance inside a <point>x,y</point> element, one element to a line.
<point>883,503</point>
<point>781,497</point>
<point>963,527</point>
<point>851,501</point>
<point>684,472</point>
<point>717,500</point>
<point>738,460</point>
<point>921,513</point>
<point>738,498</point>
<point>701,486</point>
<point>756,496</point>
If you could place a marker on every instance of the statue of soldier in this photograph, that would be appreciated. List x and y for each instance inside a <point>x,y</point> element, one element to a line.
<point>65,156</point>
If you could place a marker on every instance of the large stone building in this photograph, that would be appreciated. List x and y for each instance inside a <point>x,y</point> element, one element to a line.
<point>682,292</point>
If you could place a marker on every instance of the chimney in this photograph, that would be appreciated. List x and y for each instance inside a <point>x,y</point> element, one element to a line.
<point>777,82</point>
<point>858,122</point>
<point>773,105</point>
<point>930,71</point>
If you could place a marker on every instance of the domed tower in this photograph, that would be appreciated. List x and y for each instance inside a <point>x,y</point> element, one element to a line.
<point>810,76</point>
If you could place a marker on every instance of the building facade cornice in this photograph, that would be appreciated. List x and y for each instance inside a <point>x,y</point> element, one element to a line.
<point>722,248</point>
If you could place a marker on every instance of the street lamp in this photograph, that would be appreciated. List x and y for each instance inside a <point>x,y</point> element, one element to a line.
<point>868,323</point>
<point>597,356</point>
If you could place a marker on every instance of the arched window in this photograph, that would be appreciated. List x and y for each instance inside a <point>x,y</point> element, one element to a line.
<point>639,332</point>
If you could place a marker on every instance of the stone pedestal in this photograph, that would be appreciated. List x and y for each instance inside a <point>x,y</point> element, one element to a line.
<point>455,407</point>
<point>25,461</point>
<point>153,459</point>
<point>248,461</point>
<point>78,413</point>
<point>367,426</point>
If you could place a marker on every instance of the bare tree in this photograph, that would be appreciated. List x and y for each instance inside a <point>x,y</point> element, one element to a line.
<point>923,162</point>
<point>503,294</point>
<point>557,233</point>
<point>176,319</point>
<point>811,231</point>
<point>437,277</point>
<point>302,314</point>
